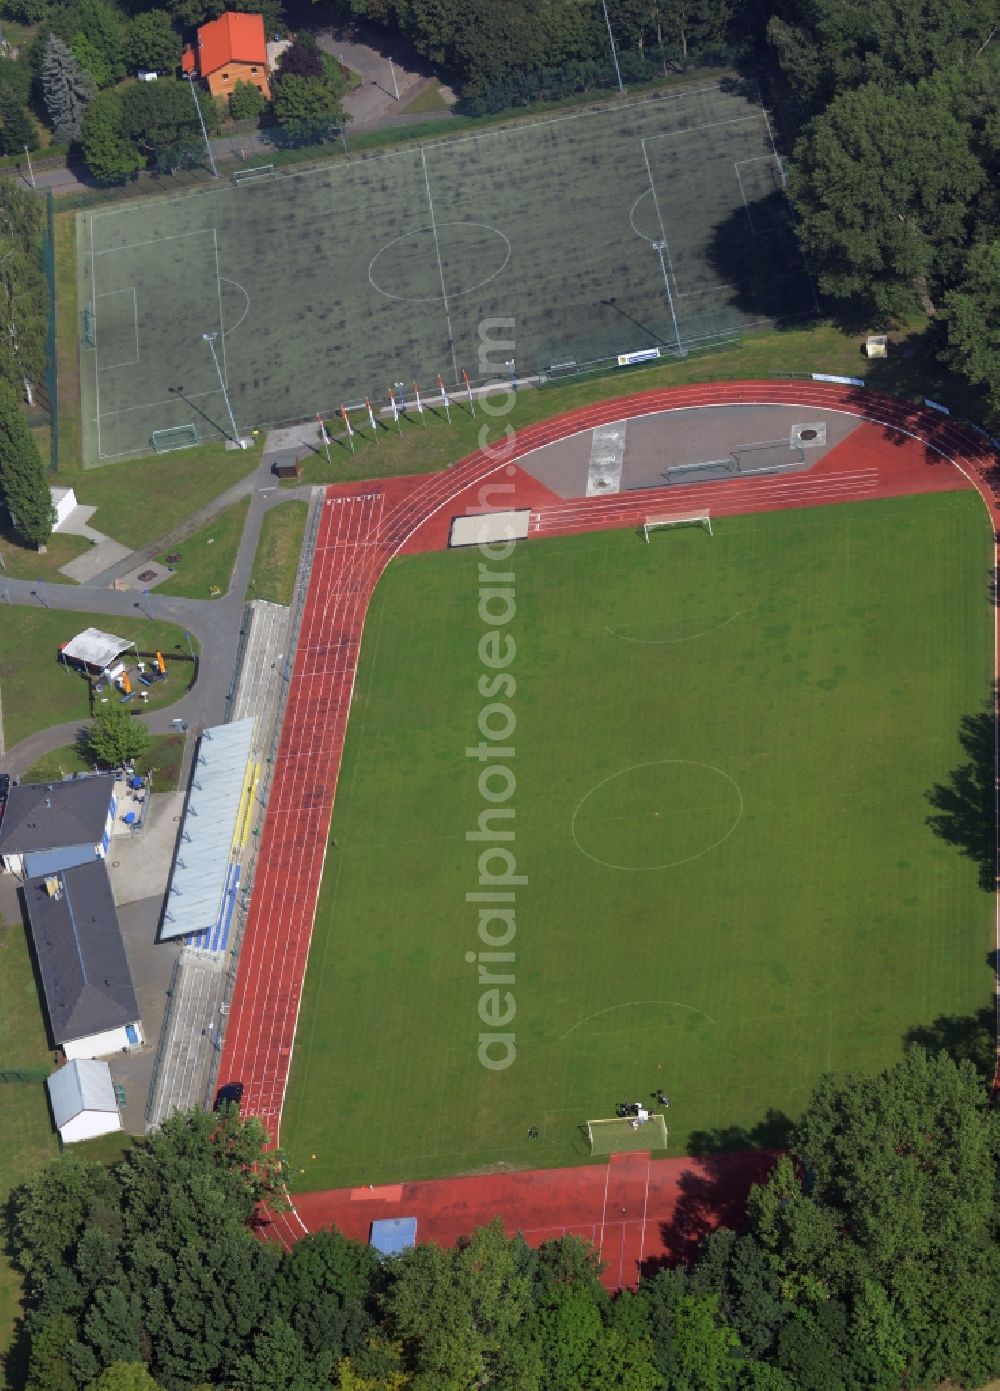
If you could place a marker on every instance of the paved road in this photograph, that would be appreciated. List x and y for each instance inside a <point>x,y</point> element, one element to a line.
<point>215,623</point>
<point>370,106</point>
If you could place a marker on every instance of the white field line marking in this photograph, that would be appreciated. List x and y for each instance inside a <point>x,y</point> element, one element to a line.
<point>135,314</point>
<point>218,287</point>
<point>151,405</point>
<point>690,637</point>
<point>631,1004</point>
<point>154,241</point>
<point>604,1205</point>
<point>437,249</point>
<point>645,1209</point>
<point>246,311</point>
<point>709,125</point>
<point>659,214</point>
<point>774,148</point>
<point>97,380</point>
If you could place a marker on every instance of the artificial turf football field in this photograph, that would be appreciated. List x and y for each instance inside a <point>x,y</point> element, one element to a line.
<point>724,747</point>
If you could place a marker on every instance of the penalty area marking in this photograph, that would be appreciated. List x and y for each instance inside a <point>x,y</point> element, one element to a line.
<point>125,290</point>
<point>634,1004</point>
<point>657,763</point>
<point>657,642</point>
<point>227,281</point>
<point>631,216</point>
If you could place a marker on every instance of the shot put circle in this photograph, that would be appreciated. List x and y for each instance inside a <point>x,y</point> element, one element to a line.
<point>657,815</point>
<point>426,257</point>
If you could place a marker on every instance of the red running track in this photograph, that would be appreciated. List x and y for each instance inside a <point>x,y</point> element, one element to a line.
<point>902,449</point>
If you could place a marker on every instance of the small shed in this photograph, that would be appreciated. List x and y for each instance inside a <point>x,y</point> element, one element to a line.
<point>83,1100</point>
<point>64,502</point>
<point>391,1236</point>
<point>287,466</point>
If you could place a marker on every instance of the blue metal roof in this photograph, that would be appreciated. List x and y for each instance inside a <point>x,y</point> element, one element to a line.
<point>393,1235</point>
<point>208,831</point>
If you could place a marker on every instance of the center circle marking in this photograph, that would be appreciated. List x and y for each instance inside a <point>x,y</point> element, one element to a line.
<point>432,236</point>
<point>732,814</point>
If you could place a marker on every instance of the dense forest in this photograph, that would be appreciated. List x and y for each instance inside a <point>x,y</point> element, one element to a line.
<point>24,487</point>
<point>870,1260</point>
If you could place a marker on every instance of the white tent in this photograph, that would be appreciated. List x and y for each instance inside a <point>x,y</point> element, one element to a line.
<point>83,1100</point>
<point>95,649</point>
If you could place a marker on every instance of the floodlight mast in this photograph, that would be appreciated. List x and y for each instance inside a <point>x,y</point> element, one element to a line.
<point>210,340</point>
<point>614,50</point>
<point>201,122</point>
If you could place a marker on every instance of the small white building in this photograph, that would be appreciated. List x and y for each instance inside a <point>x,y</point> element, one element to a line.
<point>64,502</point>
<point>83,1101</point>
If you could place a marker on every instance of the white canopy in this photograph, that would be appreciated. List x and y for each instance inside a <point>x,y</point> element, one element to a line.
<point>95,648</point>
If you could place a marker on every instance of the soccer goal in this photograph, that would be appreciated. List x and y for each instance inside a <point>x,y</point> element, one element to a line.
<point>676,473</point>
<point>676,519</point>
<point>619,1134</point>
<point>177,437</point>
<point>246,176</point>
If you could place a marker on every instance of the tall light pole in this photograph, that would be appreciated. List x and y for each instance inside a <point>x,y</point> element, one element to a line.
<point>204,132</point>
<point>395,85</point>
<point>210,340</point>
<point>614,51</point>
<point>31,172</point>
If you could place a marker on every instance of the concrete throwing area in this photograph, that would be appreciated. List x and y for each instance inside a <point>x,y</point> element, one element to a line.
<point>664,443</point>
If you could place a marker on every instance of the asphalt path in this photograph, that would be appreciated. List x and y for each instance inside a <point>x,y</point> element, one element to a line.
<point>216,623</point>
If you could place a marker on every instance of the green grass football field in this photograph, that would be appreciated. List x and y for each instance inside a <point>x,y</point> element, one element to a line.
<point>724,748</point>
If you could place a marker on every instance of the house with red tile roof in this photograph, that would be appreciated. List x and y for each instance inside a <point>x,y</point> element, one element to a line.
<point>230,49</point>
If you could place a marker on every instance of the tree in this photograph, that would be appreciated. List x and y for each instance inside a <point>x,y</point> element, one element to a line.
<point>98,28</point>
<point>302,58</point>
<point>971,314</point>
<point>124,1376</point>
<point>23,289</point>
<point>115,738</point>
<point>160,121</point>
<point>17,126</point>
<point>825,47</point>
<point>246,101</point>
<point>66,88</point>
<point>152,43</point>
<point>704,1346</point>
<point>24,484</point>
<point>111,156</point>
<point>307,107</point>
<point>460,1313</point>
<point>882,182</point>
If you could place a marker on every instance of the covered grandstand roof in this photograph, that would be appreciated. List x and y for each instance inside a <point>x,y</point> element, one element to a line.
<point>209,830</point>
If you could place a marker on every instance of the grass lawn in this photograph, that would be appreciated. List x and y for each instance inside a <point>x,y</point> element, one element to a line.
<point>145,498</point>
<point>25,1123</point>
<point>416,448</point>
<point>207,556</point>
<point>164,757</point>
<point>38,691</point>
<point>724,747</point>
<point>429,100</point>
<point>22,562</point>
<point>277,558</point>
